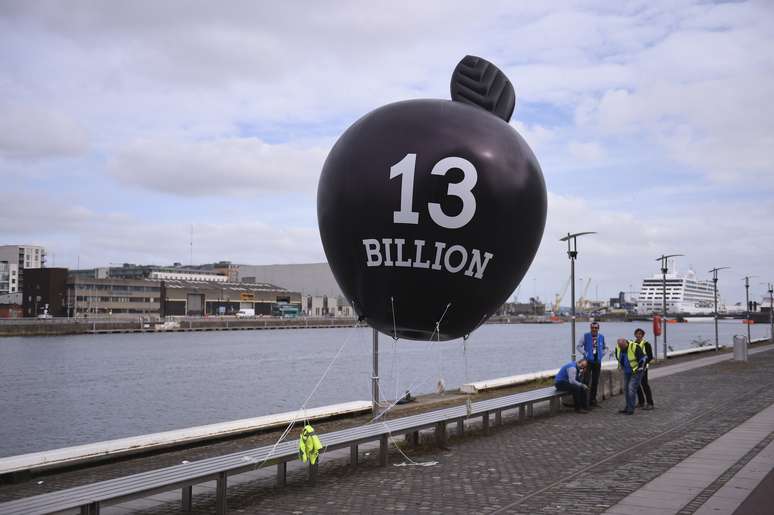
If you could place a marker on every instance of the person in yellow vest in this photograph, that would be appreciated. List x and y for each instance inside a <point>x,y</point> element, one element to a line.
<point>309,445</point>
<point>630,360</point>
<point>644,392</point>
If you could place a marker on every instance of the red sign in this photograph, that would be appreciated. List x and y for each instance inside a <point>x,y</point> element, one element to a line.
<point>657,325</point>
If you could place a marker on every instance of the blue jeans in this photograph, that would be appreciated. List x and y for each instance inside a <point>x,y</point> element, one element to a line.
<point>631,387</point>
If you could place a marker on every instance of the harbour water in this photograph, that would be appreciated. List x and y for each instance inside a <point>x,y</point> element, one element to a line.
<point>69,390</point>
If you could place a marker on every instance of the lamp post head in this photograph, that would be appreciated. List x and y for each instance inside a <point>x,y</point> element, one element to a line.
<point>715,271</point>
<point>572,243</point>
<point>663,258</point>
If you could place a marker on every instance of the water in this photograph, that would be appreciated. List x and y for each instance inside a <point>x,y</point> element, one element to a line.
<point>69,390</point>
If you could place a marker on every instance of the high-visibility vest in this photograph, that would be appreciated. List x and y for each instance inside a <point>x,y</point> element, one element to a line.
<point>631,354</point>
<point>309,445</point>
<point>645,351</point>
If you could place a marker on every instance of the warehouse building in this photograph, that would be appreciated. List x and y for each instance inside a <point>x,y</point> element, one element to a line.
<point>194,298</point>
<point>112,296</point>
<point>321,293</point>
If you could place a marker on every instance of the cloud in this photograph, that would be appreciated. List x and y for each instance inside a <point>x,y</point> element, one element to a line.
<point>629,239</point>
<point>106,236</point>
<point>537,136</point>
<point>199,109</point>
<point>28,132</point>
<point>587,152</point>
<point>234,166</point>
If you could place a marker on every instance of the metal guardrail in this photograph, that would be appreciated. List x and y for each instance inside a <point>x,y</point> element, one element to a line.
<point>89,498</point>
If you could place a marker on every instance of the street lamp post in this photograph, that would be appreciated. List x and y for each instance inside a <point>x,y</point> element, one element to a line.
<point>747,305</point>
<point>572,253</point>
<point>375,375</point>
<point>664,270</point>
<point>715,288</point>
<point>771,313</point>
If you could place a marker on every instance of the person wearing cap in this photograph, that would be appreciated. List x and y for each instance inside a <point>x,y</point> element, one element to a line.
<point>644,392</point>
<point>594,351</point>
<point>630,359</point>
<point>566,380</point>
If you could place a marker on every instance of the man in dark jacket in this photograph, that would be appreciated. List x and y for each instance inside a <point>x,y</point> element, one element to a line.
<point>644,391</point>
<point>594,352</point>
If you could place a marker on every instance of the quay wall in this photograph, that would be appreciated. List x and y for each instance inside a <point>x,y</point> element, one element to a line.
<point>54,327</point>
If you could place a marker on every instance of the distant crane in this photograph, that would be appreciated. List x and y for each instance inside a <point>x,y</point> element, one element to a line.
<point>560,296</point>
<point>583,302</point>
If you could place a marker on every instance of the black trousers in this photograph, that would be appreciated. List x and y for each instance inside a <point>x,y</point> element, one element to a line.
<point>591,379</point>
<point>578,394</point>
<point>644,392</point>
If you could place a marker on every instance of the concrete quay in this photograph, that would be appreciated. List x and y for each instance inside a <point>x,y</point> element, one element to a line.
<point>566,463</point>
<point>69,326</point>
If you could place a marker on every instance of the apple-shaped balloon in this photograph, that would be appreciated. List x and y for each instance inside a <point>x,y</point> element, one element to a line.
<point>431,211</point>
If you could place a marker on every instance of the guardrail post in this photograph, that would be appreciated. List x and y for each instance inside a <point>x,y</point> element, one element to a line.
<point>353,454</point>
<point>610,383</point>
<point>460,427</point>
<point>530,410</point>
<point>313,472</point>
<point>522,412</point>
<point>485,422</point>
<point>220,494</point>
<point>90,509</point>
<point>554,405</point>
<point>282,473</point>
<point>498,417</point>
<point>383,450</point>
<point>440,434</point>
<point>187,498</point>
<point>413,438</point>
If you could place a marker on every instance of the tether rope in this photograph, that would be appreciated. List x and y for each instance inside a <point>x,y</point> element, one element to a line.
<point>309,397</point>
<point>395,368</point>
<point>441,386</point>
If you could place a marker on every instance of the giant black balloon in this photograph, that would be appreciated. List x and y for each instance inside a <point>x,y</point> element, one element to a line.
<point>424,246</point>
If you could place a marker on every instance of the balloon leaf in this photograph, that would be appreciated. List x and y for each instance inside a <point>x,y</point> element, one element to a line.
<point>478,82</point>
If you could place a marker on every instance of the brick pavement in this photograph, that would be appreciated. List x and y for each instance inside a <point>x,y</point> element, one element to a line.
<point>562,464</point>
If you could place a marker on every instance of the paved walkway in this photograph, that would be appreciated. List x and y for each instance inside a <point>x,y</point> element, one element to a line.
<point>746,451</point>
<point>716,417</point>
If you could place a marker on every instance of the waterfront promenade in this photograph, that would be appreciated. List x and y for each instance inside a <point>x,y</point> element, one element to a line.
<point>712,424</point>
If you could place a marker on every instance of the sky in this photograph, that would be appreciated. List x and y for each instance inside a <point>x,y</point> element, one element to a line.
<point>126,127</point>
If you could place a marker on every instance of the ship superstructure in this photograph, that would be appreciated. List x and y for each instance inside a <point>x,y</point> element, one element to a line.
<point>684,295</point>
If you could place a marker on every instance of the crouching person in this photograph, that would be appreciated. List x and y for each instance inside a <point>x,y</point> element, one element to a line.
<point>567,380</point>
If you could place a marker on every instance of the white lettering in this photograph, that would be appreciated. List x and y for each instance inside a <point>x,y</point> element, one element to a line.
<point>463,258</point>
<point>475,262</point>
<point>418,263</point>
<point>461,190</point>
<point>399,257</point>
<point>405,167</point>
<point>439,246</point>
<point>452,259</point>
<point>372,252</point>
<point>387,258</point>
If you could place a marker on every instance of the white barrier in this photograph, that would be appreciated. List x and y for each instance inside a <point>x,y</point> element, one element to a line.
<point>137,444</point>
<point>502,382</point>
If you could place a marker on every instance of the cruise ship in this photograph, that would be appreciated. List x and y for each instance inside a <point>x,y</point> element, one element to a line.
<point>684,295</point>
